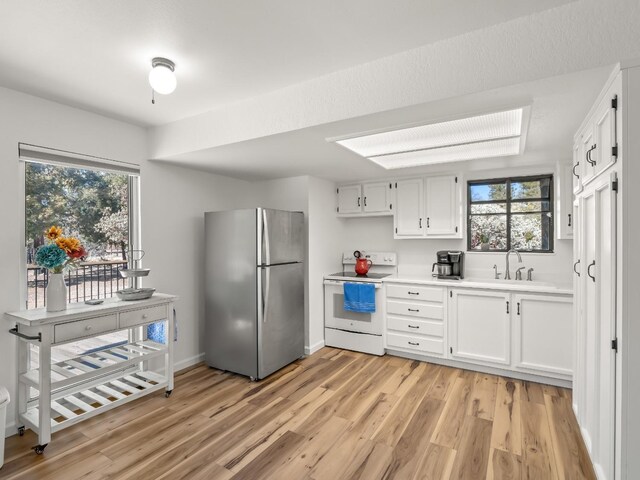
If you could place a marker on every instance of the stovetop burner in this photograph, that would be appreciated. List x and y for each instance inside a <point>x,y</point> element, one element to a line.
<point>355,275</point>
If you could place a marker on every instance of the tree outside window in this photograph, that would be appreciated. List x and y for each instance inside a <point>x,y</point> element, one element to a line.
<point>511,213</point>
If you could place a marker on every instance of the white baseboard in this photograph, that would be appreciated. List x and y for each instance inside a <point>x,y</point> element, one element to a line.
<point>188,362</point>
<point>313,348</point>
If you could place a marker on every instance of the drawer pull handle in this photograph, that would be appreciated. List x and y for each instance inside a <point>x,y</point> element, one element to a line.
<point>413,343</point>
<point>413,309</point>
<point>88,327</point>
<point>144,316</point>
<point>413,293</point>
<point>413,326</point>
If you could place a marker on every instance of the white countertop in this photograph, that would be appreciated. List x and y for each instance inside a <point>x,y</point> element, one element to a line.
<point>40,316</point>
<point>487,284</point>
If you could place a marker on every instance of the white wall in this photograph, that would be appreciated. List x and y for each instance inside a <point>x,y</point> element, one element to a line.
<point>173,200</point>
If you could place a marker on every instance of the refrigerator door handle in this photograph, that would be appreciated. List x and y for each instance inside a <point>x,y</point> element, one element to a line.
<point>265,295</point>
<point>265,237</point>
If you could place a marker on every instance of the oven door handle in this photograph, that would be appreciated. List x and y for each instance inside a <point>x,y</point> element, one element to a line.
<point>339,283</point>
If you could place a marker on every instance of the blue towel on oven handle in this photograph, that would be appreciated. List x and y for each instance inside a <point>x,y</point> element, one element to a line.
<point>360,297</point>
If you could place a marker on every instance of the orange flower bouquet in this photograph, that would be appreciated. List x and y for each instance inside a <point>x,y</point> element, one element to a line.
<point>61,252</point>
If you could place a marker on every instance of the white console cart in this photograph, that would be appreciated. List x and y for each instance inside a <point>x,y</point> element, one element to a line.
<point>74,390</point>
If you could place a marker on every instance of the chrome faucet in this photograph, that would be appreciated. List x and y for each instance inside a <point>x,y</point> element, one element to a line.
<point>495,270</point>
<point>507,275</point>
<point>519,273</point>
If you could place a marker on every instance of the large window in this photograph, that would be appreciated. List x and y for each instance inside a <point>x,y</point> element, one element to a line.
<point>511,213</point>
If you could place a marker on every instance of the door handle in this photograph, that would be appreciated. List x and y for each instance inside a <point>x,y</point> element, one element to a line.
<point>265,237</point>
<point>507,307</point>
<point>420,223</point>
<point>265,294</point>
<point>413,293</point>
<point>574,268</point>
<point>574,169</point>
<point>413,326</point>
<point>358,201</point>
<point>589,159</point>
<point>413,343</point>
<point>518,312</point>
<point>593,264</point>
<point>428,222</point>
<point>413,309</point>
<point>569,215</point>
<point>365,201</point>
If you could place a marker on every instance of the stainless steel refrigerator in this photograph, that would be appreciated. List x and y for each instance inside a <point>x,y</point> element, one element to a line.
<point>254,285</point>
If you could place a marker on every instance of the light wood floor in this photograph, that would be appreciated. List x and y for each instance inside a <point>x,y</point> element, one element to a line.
<point>332,415</point>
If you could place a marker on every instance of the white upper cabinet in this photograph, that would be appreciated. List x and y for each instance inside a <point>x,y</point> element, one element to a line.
<point>564,202</point>
<point>377,197</point>
<point>605,126</point>
<point>443,211</point>
<point>349,199</point>
<point>479,323</point>
<point>544,334</point>
<point>409,208</point>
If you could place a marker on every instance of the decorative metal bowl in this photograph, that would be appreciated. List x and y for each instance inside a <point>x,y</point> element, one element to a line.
<point>135,293</point>
<point>134,272</point>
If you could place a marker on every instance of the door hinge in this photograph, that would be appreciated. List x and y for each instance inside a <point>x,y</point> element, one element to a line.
<point>614,151</point>
<point>614,344</point>
<point>614,185</point>
<point>614,102</point>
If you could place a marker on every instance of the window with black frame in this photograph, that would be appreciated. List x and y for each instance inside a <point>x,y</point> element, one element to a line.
<point>510,213</point>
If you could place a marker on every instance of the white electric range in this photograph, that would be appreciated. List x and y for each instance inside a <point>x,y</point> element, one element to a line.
<point>361,332</point>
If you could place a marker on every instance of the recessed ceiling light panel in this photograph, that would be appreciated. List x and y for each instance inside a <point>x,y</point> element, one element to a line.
<point>482,136</point>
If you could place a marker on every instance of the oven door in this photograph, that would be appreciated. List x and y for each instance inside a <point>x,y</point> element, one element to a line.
<point>335,316</point>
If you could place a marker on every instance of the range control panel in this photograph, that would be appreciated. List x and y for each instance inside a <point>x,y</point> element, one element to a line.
<point>378,258</point>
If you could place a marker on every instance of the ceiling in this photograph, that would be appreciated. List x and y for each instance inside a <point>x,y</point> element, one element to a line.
<point>96,55</point>
<point>558,106</point>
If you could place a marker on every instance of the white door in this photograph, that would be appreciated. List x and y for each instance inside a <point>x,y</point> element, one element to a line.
<point>543,336</point>
<point>409,210</point>
<point>443,207</point>
<point>479,323</point>
<point>376,197</point>
<point>349,199</point>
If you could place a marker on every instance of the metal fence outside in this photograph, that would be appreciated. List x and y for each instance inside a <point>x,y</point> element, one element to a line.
<point>91,280</point>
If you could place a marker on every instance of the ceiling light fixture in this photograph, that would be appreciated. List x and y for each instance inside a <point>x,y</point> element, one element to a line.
<point>483,136</point>
<point>162,77</point>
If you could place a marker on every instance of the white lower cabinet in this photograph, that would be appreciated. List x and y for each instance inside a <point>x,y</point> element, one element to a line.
<point>543,334</point>
<point>479,326</point>
<point>523,333</point>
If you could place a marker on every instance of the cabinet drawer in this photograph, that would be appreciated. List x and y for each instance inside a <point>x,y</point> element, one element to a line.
<point>84,328</point>
<point>142,316</point>
<point>435,329</point>
<point>421,310</point>
<point>419,344</point>
<point>412,292</point>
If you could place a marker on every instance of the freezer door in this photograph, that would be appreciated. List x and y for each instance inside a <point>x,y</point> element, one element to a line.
<point>280,316</point>
<point>230,291</point>
<point>282,236</point>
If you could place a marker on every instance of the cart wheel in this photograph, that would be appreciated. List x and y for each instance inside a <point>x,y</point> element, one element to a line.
<point>167,394</point>
<point>39,449</point>
<point>21,431</point>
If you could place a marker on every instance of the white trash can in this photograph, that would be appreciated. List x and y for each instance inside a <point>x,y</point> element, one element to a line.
<point>4,401</point>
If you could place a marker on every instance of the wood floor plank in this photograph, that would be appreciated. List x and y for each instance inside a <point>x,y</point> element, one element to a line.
<point>483,396</point>
<point>504,466</point>
<point>507,426</point>
<point>447,432</point>
<point>333,415</point>
<point>472,458</point>
<point>537,449</point>
<point>572,458</point>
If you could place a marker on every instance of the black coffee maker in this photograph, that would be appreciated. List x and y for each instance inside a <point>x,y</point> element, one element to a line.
<point>450,265</point>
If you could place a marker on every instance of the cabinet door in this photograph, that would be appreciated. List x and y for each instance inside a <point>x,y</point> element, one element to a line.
<point>579,376</point>
<point>443,207</point>
<point>564,202</point>
<point>588,155</point>
<point>479,323</point>
<point>605,128</point>
<point>349,199</point>
<point>409,208</point>
<point>576,169</point>
<point>376,197</point>
<point>543,336</point>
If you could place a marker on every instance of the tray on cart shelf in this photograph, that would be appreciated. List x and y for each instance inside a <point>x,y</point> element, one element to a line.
<point>83,402</point>
<point>101,362</point>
